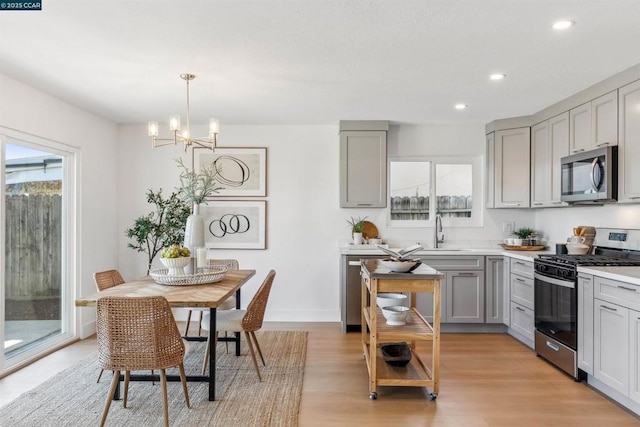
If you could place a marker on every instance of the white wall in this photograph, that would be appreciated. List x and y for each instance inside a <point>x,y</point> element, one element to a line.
<point>30,111</point>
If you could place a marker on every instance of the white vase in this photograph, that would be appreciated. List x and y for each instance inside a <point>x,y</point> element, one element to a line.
<point>357,238</point>
<point>194,230</point>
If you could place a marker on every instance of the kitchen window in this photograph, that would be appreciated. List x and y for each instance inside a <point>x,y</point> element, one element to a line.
<point>420,188</point>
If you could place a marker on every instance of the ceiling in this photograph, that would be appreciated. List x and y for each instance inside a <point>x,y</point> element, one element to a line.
<point>317,62</point>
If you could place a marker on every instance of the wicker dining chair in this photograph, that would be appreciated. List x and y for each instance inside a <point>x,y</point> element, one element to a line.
<point>229,304</point>
<point>105,280</point>
<point>247,321</point>
<point>138,333</point>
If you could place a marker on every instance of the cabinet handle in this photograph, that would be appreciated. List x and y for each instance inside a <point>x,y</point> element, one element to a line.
<point>354,263</point>
<point>608,308</point>
<point>520,309</point>
<point>560,203</point>
<point>537,204</point>
<point>466,274</point>
<point>602,144</point>
<point>518,262</point>
<point>512,204</point>
<point>364,204</point>
<point>579,150</point>
<point>634,197</point>
<point>627,289</point>
<point>520,280</point>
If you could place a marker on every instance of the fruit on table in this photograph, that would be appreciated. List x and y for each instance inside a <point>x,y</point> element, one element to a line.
<point>175,251</point>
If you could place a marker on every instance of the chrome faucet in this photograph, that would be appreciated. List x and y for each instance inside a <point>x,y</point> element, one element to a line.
<point>438,229</point>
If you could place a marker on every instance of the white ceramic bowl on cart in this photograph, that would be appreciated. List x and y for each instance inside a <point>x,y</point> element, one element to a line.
<point>398,266</point>
<point>396,315</point>
<point>387,299</point>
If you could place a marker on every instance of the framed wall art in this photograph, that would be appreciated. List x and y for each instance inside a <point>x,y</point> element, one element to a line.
<point>231,224</point>
<point>240,171</point>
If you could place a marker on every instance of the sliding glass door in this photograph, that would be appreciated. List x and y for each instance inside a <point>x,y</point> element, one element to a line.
<point>36,291</point>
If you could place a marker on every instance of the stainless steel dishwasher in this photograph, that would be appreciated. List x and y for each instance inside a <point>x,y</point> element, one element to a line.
<point>351,291</point>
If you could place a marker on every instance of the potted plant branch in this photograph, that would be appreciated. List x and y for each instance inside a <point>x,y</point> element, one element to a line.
<point>162,227</point>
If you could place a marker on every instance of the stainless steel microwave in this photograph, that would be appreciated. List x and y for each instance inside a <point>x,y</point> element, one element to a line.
<point>590,177</point>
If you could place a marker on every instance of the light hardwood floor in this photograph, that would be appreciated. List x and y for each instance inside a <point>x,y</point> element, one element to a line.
<point>486,380</point>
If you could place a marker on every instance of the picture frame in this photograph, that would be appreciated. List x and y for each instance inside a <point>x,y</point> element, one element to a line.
<point>241,171</point>
<point>235,224</point>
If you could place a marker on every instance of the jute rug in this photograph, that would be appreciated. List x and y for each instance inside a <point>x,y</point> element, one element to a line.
<point>73,398</point>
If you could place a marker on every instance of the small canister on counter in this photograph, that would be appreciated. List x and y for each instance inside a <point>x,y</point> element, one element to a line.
<point>561,248</point>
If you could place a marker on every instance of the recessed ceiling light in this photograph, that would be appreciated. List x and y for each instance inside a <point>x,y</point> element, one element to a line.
<point>563,25</point>
<point>497,76</point>
<point>461,106</point>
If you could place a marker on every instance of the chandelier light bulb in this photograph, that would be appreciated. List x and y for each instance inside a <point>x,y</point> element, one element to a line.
<point>174,123</point>
<point>563,25</point>
<point>497,76</point>
<point>214,128</point>
<point>153,128</point>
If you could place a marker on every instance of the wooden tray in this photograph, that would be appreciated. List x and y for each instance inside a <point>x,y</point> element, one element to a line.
<point>523,248</point>
<point>369,230</point>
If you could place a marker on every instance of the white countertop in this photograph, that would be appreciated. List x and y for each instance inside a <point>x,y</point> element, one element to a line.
<point>523,255</point>
<point>623,274</point>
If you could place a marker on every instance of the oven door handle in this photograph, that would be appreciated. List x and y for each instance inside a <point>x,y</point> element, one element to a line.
<point>553,281</point>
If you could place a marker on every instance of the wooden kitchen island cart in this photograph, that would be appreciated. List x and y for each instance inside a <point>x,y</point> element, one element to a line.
<point>375,331</point>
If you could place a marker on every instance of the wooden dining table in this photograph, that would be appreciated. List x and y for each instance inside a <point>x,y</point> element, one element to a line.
<point>209,295</point>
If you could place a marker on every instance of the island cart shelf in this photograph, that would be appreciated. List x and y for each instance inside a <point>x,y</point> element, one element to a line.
<point>375,331</point>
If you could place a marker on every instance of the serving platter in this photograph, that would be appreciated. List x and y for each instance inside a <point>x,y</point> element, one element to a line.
<point>204,276</point>
<point>523,248</point>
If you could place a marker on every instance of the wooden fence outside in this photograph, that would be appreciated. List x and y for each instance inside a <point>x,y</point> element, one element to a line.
<point>417,207</point>
<point>33,246</point>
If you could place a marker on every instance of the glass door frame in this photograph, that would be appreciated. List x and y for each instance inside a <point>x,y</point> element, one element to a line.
<point>70,245</point>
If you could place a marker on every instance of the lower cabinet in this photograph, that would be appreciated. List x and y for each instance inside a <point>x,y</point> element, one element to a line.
<point>465,297</point>
<point>634,355</point>
<point>585,323</point>
<point>522,320</point>
<point>611,345</point>
<point>494,289</point>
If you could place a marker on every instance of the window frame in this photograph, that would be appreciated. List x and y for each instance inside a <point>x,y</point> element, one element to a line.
<point>476,219</point>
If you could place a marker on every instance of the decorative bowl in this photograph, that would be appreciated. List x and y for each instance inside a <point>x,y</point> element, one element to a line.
<point>577,248</point>
<point>399,266</point>
<point>396,315</point>
<point>176,265</point>
<point>387,299</point>
<point>396,353</point>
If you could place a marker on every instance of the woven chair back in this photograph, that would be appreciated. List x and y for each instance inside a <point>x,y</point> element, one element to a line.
<point>107,279</point>
<point>231,264</point>
<point>137,333</point>
<point>252,320</point>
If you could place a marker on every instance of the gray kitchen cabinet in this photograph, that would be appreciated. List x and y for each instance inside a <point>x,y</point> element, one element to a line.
<point>462,296</point>
<point>611,349</point>
<point>634,356</point>
<point>465,296</point>
<point>363,168</point>
<point>522,322</point>
<point>549,143</point>
<point>629,143</point>
<point>585,323</point>
<point>511,168</point>
<point>489,188</point>
<point>494,289</point>
<point>594,124</point>
<point>521,301</point>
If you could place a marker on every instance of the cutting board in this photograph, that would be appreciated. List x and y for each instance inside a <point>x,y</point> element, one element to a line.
<point>369,230</point>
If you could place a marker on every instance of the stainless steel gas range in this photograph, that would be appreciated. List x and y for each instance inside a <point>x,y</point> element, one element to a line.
<point>556,293</point>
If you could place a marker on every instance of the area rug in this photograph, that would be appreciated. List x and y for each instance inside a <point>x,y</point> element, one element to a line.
<point>73,398</point>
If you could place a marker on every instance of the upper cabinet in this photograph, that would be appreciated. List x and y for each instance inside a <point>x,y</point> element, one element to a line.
<point>549,143</point>
<point>363,164</point>
<point>629,143</point>
<point>489,196</point>
<point>594,124</point>
<point>510,158</point>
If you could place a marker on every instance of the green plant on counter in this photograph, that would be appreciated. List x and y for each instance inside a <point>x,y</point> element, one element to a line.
<point>357,224</point>
<point>523,233</point>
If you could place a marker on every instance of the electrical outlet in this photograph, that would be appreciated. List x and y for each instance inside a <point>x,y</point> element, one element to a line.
<point>508,226</point>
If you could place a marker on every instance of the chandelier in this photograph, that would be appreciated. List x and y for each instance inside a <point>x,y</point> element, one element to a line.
<point>184,135</point>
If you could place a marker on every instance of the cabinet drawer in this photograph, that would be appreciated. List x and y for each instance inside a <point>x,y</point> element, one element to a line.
<point>522,320</point>
<point>625,294</point>
<point>523,268</point>
<point>522,291</point>
<point>454,262</point>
